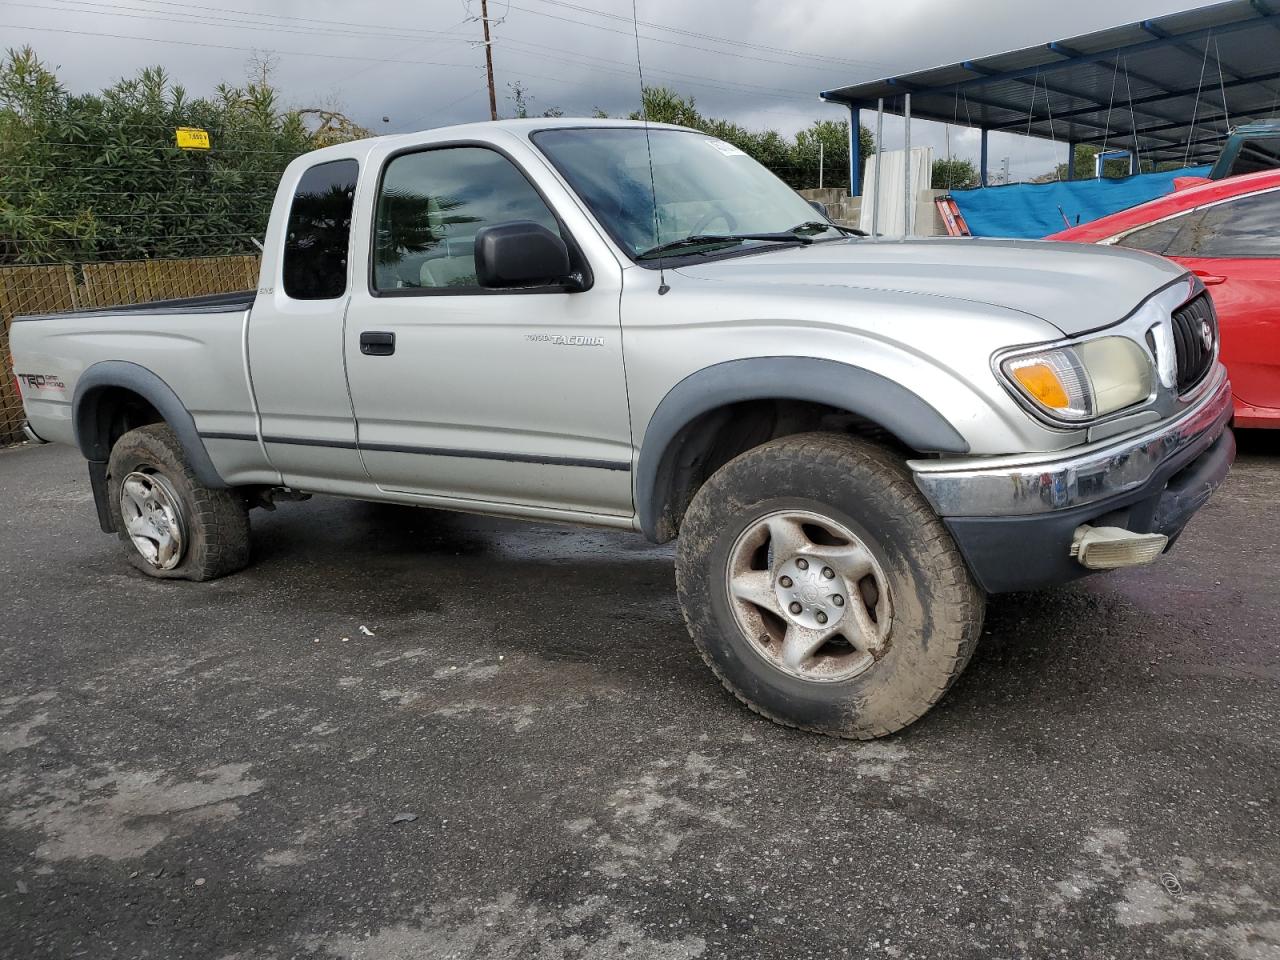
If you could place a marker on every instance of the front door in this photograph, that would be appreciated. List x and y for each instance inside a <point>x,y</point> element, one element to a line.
<point>1234,247</point>
<point>482,396</point>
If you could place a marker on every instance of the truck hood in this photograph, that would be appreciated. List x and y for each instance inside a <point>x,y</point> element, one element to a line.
<point>1075,287</point>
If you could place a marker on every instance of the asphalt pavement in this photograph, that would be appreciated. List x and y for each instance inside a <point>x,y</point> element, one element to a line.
<point>410,734</point>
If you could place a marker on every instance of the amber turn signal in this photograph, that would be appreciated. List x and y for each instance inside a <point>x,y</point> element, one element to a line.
<point>1040,381</point>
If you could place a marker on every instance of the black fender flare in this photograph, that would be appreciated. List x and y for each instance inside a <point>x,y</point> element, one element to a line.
<point>92,437</point>
<point>857,390</point>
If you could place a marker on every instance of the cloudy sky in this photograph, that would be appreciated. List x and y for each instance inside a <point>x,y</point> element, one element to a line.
<point>417,63</point>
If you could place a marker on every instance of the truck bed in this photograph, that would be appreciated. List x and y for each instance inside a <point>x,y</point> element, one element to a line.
<point>193,348</point>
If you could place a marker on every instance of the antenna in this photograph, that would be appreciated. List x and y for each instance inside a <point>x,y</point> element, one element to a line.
<point>653,187</point>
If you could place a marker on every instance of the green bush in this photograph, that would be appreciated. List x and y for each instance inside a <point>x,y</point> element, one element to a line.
<point>99,177</point>
<point>795,161</point>
<point>953,174</point>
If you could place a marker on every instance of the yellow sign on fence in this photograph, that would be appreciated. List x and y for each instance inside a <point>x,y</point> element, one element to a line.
<point>193,138</point>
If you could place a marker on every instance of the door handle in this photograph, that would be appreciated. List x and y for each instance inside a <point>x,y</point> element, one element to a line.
<point>1209,279</point>
<point>377,343</point>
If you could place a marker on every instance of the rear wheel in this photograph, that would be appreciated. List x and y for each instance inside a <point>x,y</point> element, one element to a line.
<point>822,589</point>
<point>173,527</point>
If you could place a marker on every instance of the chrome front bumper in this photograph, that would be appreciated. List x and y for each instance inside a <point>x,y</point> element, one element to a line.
<point>1029,484</point>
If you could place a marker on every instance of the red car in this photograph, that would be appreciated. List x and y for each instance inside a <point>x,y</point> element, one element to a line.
<point>1227,232</point>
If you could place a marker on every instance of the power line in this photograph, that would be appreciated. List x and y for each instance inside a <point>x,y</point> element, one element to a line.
<point>401,31</point>
<point>302,25</point>
<point>309,25</point>
<point>339,29</point>
<point>560,55</point>
<point>783,97</point>
<point>652,39</point>
<point>807,55</point>
<point>607,66</point>
<point>226,46</point>
<point>443,107</point>
<point>404,49</point>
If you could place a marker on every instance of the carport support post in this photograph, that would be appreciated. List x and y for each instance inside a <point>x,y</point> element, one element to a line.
<point>1071,160</point>
<point>982,159</point>
<point>855,152</point>
<point>875,187</point>
<point>906,165</point>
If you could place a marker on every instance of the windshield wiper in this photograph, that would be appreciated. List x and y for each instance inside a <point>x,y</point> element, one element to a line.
<point>796,234</point>
<point>696,240</point>
<point>819,225</point>
<point>700,239</point>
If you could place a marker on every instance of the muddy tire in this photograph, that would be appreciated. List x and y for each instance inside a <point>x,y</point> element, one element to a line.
<point>172,526</point>
<point>822,590</point>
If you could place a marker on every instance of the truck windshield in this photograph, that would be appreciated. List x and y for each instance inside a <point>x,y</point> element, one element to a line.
<point>711,197</point>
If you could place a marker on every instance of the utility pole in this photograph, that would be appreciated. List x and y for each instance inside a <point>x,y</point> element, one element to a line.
<point>488,59</point>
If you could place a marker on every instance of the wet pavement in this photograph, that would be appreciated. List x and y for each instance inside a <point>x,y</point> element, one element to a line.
<point>520,755</point>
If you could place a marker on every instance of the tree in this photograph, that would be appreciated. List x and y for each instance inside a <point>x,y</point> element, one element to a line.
<point>100,177</point>
<point>954,174</point>
<point>664,105</point>
<point>522,98</point>
<point>795,161</point>
<point>834,137</point>
<point>333,126</point>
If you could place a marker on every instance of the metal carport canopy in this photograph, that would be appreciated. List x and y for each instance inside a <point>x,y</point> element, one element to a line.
<point>1166,88</point>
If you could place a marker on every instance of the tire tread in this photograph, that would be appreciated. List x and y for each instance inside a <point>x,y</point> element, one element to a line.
<point>218,520</point>
<point>962,600</point>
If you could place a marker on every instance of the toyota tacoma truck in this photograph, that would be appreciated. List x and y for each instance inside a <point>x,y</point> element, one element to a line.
<point>854,440</point>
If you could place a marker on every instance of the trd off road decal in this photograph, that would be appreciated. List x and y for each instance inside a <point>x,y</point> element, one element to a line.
<point>41,382</point>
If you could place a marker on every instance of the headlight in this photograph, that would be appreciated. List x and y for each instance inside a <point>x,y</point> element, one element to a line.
<point>1085,380</point>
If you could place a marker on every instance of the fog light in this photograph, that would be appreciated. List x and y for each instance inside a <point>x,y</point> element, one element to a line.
<point>1107,548</point>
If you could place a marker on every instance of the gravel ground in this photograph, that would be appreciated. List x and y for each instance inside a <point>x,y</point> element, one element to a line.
<point>408,734</point>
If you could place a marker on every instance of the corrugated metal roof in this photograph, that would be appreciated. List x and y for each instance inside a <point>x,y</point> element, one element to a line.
<point>1171,85</point>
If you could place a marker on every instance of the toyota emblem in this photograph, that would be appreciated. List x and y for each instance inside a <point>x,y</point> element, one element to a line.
<point>1206,334</point>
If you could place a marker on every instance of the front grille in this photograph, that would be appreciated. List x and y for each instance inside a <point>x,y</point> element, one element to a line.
<point>1191,321</point>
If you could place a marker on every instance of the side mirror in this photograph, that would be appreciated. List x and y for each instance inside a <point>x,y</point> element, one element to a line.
<point>520,253</point>
<point>820,207</point>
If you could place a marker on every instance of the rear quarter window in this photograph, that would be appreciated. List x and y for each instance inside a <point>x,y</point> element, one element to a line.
<point>319,231</point>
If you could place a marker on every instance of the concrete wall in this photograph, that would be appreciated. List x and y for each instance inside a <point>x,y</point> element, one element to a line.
<point>842,208</point>
<point>846,210</point>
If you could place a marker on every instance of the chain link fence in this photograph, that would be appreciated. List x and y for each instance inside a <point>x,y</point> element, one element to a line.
<point>51,288</point>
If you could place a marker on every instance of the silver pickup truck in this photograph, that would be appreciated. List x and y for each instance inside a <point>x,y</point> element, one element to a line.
<point>854,439</point>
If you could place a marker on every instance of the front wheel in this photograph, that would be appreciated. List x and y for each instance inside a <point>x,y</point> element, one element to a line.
<point>172,526</point>
<point>822,589</point>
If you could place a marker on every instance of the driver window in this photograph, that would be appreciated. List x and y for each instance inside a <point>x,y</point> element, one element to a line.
<point>430,205</point>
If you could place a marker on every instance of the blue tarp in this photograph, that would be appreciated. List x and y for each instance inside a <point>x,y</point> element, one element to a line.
<point>1030,210</point>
